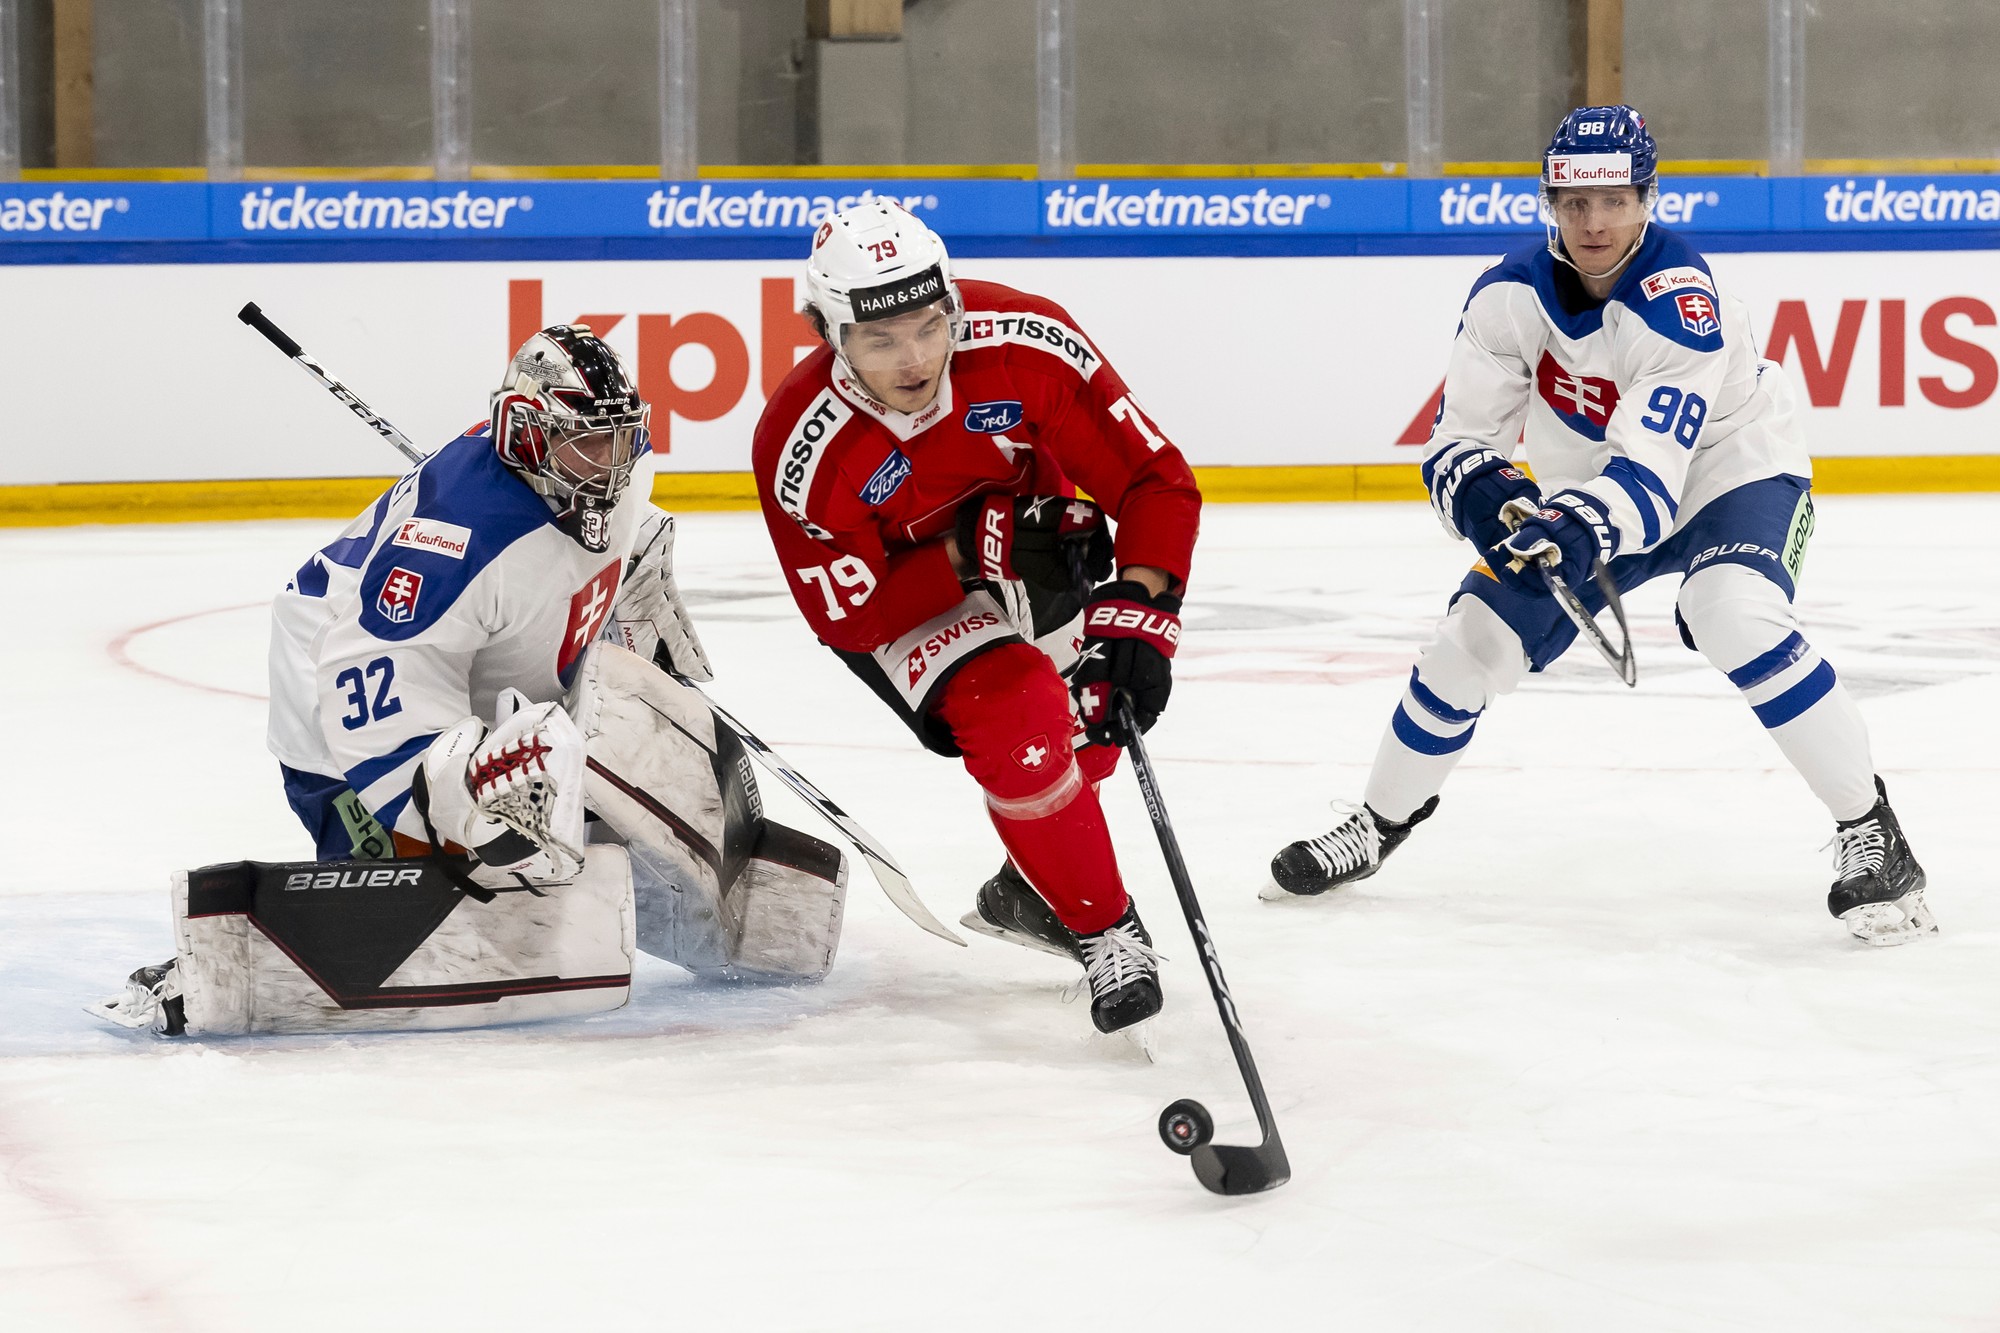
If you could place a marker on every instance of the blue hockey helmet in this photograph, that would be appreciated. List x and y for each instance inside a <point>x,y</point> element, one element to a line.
<point>1601,145</point>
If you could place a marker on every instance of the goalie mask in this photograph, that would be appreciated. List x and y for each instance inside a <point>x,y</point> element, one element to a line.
<point>874,263</point>
<point>567,420</point>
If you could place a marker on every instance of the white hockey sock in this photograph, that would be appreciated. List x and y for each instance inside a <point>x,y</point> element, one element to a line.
<point>1473,658</point>
<point>1422,745</point>
<point>1797,696</point>
<point>1745,626</point>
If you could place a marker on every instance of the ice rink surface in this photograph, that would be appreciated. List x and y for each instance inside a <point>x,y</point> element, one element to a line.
<point>1589,1054</point>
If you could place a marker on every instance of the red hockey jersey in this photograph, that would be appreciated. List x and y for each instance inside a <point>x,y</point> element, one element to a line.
<point>854,492</point>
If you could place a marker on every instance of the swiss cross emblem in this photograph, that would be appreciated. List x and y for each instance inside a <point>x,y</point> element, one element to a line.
<point>1697,313</point>
<point>1033,755</point>
<point>981,328</point>
<point>398,599</point>
<point>1585,402</point>
<point>915,664</point>
<point>587,611</point>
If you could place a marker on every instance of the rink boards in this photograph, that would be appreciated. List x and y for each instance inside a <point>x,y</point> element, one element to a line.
<point>1278,361</point>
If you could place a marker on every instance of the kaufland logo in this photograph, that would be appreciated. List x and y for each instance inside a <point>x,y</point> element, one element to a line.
<point>1590,169</point>
<point>708,209</point>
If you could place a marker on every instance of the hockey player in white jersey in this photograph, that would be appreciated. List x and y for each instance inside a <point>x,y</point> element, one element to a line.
<point>485,655</point>
<point>1661,445</point>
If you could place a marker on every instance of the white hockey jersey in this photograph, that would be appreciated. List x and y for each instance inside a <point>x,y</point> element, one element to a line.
<point>456,584</point>
<point>1653,402</point>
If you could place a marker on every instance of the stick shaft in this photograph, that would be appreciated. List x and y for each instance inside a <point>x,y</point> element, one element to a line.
<point>261,322</point>
<point>1149,788</point>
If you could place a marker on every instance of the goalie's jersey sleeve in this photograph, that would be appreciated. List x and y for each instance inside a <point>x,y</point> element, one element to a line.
<point>855,495</point>
<point>1653,401</point>
<point>454,585</point>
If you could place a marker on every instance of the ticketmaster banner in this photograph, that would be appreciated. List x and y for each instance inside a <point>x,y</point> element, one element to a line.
<point>1307,210</point>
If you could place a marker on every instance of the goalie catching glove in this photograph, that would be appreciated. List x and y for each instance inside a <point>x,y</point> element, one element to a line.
<point>1129,638</point>
<point>514,797</point>
<point>649,617</point>
<point>1044,541</point>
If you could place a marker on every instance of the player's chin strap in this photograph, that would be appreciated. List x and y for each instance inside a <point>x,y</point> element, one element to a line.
<point>1555,234</point>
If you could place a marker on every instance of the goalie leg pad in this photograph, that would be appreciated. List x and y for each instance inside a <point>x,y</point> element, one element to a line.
<point>719,889</point>
<point>313,947</point>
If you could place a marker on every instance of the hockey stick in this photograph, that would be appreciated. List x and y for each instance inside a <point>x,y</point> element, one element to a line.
<point>1620,657</point>
<point>887,873</point>
<point>255,318</point>
<point>895,884</point>
<point>1186,1125</point>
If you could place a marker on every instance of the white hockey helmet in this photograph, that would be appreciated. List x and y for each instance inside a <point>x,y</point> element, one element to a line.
<point>568,421</point>
<point>874,261</point>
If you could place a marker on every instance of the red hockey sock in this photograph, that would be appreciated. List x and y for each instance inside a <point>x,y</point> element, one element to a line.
<point>1009,712</point>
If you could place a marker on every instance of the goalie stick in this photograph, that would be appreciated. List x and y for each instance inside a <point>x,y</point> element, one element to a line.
<point>895,884</point>
<point>1223,1168</point>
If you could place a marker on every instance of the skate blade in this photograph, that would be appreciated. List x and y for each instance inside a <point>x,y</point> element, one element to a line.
<point>1140,1037</point>
<point>979,925</point>
<point>1898,922</point>
<point>1273,892</point>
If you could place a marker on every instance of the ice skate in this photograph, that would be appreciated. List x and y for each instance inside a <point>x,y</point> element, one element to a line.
<point>1353,850</point>
<point>1009,909</point>
<point>1123,973</point>
<point>152,998</point>
<point>1878,887</point>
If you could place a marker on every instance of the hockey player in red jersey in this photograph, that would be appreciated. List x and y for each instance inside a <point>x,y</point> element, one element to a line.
<point>919,474</point>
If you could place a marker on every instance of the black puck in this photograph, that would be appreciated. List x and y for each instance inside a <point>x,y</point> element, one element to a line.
<point>1186,1125</point>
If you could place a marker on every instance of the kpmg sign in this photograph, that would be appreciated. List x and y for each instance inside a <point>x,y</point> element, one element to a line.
<point>1169,209</point>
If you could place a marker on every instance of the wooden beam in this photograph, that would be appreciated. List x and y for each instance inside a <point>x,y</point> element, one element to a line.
<point>1597,51</point>
<point>73,83</point>
<point>855,20</point>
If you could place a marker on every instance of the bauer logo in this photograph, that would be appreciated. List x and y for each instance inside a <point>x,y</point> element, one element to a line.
<point>992,418</point>
<point>895,470</point>
<point>428,534</point>
<point>397,602</point>
<point>352,879</point>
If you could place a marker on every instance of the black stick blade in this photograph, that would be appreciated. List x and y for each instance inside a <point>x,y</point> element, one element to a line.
<point>1224,1168</point>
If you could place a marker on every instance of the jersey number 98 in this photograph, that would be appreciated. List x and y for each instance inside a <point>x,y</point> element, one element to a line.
<point>1670,409</point>
<point>846,572</point>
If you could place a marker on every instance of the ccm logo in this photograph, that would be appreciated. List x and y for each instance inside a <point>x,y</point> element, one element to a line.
<point>352,879</point>
<point>993,545</point>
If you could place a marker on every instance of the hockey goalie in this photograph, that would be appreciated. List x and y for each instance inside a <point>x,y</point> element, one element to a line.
<point>480,708</point>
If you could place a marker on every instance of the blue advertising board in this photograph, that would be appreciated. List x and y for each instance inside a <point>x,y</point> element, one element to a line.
<point>83,221</point>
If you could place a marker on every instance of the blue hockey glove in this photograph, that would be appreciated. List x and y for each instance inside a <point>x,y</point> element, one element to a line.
<point>1566,536</point>
<point>1469,492</point>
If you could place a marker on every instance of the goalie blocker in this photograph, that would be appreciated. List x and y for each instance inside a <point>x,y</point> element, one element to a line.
<point>681,864</point>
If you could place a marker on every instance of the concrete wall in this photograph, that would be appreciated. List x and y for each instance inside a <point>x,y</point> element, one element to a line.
<point>1171,81</point>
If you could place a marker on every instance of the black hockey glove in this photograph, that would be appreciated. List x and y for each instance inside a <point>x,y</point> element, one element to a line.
<point>1567,536</point>
<point>1042,540</point>
<point>1468,494</point>
<point>1129,637</point>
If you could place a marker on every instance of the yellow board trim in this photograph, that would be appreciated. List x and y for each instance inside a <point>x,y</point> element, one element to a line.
<point>343,497</point>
